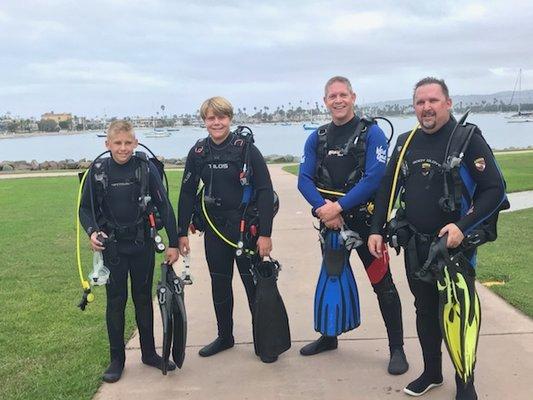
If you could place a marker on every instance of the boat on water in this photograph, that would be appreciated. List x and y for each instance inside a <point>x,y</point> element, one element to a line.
<point>310,127</point>
<point>520,116</point>
<point>101,134</point>
<point>157,134</point>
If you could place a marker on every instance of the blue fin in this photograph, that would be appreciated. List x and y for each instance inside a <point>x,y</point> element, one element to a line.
<point>336,296</point>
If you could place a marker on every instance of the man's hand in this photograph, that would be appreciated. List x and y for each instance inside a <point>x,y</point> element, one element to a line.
<point>455,235</point>
<point>171,255</point>
<point>264,246</point>
<point>183,245</point>
<point>335,223</point>
<point>96,245</point>
<point>328,211</point>
<point>375,245</point>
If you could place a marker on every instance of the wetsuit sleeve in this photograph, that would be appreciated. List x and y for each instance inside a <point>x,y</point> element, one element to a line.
<point>85,212</point>
<point>306,174</point>
<point>375,165</point>
<point>381,203</point>
<point>489,185</point>
<point>160,199</point>
<point>264,191</point>
<point>189,186</point>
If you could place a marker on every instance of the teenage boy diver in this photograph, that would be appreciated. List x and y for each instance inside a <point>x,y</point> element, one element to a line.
<point>120,193</point>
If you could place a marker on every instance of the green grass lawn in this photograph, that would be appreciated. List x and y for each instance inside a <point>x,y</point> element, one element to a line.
<point>508,260</point>
<point>517,169</point>
<point>49,349</point>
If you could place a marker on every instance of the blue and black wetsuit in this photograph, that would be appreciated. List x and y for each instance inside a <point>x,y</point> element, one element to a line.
<point>423,186</point>
<point>119,213</point>
<point>340,168</point>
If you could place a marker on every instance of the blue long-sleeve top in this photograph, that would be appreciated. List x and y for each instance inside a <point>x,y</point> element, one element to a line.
<point>375,165</point>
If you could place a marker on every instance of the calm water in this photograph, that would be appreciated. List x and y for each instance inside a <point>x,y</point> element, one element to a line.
<point>271,139</point>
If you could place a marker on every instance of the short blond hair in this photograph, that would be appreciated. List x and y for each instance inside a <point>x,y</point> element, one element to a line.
<point>219,105</point>
<point>119,126</point>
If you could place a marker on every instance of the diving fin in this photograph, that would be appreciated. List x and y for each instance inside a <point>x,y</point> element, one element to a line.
<point>336,296</point>
<point>459,314</point>
<point>170,296</point>
<point>270,322</point>
<point>179,317</point>
<point>164,298</point>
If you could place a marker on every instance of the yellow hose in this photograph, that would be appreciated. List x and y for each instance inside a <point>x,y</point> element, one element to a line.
<point>84,283</point>
<point>214,228</point>
<point>331,192</point>
<point>397,171</point>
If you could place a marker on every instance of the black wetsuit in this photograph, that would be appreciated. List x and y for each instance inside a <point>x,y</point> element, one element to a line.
<point>219,166</point>
<point>118,213</point>
<point>340,168</point>
<point>424,186</point>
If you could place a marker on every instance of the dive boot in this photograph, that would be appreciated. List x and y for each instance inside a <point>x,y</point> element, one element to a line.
<point>113,373</point>
<point>465,391</point>
<point>422,385</point>
<point>398,364</point>
<point>269,359</point>
<point>323,343</point>
<point>156,361</point>
<point>218,345</point>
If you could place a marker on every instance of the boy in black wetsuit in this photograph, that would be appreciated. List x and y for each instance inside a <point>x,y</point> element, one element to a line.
<point>423,189</point>
<point>118,211</point>
<point>218,161</point>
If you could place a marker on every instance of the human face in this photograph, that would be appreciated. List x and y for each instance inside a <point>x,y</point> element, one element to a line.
<point>340,102</point>
<point>432,108</point>
<point>121,145</point>
<point>217,126</point>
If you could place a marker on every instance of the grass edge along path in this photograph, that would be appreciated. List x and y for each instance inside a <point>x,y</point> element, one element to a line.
<point>49,349</point>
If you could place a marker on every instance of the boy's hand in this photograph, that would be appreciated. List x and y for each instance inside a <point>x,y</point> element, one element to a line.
<point>171,255</point>
<point>96,245</point>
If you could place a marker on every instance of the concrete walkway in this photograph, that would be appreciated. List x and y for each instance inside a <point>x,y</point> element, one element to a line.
<point>357,370</point>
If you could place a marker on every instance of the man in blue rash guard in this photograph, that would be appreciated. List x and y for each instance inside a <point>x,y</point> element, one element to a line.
<point>349,155</point>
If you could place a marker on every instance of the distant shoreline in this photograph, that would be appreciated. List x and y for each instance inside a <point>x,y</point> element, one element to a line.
<point>41,133</point>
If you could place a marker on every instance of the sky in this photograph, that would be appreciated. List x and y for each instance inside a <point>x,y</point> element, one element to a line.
<point>129,57</point>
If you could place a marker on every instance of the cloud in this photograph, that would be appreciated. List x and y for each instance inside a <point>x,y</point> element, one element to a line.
<point>180,52</point>
<point>94,72</point>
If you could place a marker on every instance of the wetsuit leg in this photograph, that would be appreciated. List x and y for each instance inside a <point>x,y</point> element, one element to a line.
<point>220,258</point>
<point>427,311</point>
<point>117,296</point>
<point>142,274</point>
<point>244,265</point>
<point>380,277</point>
<point>378,271</point>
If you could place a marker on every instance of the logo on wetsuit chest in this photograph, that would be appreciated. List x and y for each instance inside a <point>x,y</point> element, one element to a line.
<point>426,167</point>
<point>219,166</point>
<point>118,184</point>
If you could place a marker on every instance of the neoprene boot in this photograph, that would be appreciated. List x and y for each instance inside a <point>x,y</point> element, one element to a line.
<point>422,384</point>
<point>323,343</point>
<point>156,361</point>
<point>398,364</point>
<point>113,373</point>
<point>218,345</point>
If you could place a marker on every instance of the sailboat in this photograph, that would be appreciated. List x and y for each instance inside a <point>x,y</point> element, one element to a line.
<point>520,116</point>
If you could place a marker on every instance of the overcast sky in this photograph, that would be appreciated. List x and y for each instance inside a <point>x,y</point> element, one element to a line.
<point>128,57</point>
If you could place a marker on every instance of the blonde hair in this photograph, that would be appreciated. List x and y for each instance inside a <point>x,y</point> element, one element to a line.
<point>119,126</point>
<point>219,105</point>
